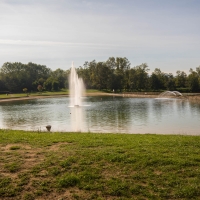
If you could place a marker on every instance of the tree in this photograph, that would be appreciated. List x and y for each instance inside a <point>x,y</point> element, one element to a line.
<point>13,76</point>
<point>40,88</point>
<point>55,85</point>
<point>16,76</point>
<point>122,67</point>
<point>169,81</point>
<point>60,76</point>
<point>155,82</point>
<point>25,90</point>
<point>193,81</point>
<point>198,70</point>
<point>51,84</point>
<point>181,79</point>
<point>141,76</point>
<point>160,76</point>
<point>132,79</point>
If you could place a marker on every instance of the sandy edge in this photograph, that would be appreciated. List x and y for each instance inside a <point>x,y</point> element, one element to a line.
<point>193,97</point>
<point>66,95</point>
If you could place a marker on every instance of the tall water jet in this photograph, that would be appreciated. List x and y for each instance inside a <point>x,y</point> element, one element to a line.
<point>77,88</point>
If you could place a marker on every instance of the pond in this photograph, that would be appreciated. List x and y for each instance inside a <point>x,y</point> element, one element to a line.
<point>105,114</point>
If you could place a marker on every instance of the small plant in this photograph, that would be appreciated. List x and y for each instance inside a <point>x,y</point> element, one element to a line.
<point>4,182</point>
<point>12,167</point>
<point>28,196</point>
<point>40,88</point>
<point>68,162</point>
<point>68,180</point>
<point>55,171</point>
<point>14,147</point>
<point>25,90</point>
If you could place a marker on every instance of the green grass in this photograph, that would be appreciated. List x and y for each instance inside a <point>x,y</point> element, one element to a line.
<point>14,147</point>
<point>98,166</point>
<point>95,91</point>
<point>44,93</point>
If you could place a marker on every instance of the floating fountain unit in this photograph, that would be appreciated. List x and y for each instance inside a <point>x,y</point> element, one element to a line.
<point>170,94</point>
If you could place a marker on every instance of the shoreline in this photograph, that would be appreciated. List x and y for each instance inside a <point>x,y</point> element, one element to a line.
<point>29,98</point>
<point>194,97</point>
<point>66,95</point>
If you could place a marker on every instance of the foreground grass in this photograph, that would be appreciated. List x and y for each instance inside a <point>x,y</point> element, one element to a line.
<point>98,166</point>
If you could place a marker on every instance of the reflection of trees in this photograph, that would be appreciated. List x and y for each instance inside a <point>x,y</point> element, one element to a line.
<point>105,114</point>
<point>167,107</point>
<point>182,106</point>
<point>157,106</point>
<point>117,114</point>
<point>32,114</point>
<point>194,106</point>
<point>20,113</point>
<point>163,107</point>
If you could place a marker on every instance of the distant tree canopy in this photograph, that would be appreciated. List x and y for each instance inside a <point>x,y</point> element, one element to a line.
<point>115,73</point>
<point>16,76</point>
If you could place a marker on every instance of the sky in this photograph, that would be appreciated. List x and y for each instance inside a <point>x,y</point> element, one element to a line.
<point>164,34</point>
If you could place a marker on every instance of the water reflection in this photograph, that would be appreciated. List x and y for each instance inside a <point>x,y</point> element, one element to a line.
<point>77,119</point>
<point>105,114</point>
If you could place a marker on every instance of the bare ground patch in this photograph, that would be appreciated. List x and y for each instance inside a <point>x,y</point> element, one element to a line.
<point>22,155</point>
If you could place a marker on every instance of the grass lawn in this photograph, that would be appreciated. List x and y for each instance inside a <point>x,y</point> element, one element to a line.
<point>41,165</point>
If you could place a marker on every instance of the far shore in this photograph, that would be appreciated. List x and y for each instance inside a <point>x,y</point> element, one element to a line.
<point>131,95</point>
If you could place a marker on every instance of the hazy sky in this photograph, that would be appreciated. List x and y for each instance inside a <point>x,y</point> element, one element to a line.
<point>164,34</point>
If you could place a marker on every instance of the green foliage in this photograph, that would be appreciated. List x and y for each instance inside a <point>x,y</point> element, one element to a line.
<point>40,88</point>
<point>114,73</point>
<point>16,76</point>
<point>193,81</point>
<point>181,79</point>
<point>68,180</point>
<point>14,147</point>
<point>51,84</point>
<point>25,90</point>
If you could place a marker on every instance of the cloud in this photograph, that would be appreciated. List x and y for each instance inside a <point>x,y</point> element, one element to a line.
<point>157,32</point>
<point>52,43</point>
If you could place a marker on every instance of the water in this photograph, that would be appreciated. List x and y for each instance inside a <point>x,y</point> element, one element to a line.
<point>105,114</point>
<point>76,88</point>
<point>170,93</point>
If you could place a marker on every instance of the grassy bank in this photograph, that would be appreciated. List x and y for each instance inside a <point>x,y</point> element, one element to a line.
<point>21,95</point>
<point>44,93</point>
<point>98,166</point>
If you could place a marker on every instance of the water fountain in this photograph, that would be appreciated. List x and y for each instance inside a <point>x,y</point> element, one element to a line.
<point>77,88</point>
<point>170,94</point>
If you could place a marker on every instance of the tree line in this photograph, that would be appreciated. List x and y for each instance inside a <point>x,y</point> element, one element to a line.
<point>14,77</point>
<point>114,74</point>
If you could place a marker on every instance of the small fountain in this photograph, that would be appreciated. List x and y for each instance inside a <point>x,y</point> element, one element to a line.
<point>170,94</point>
